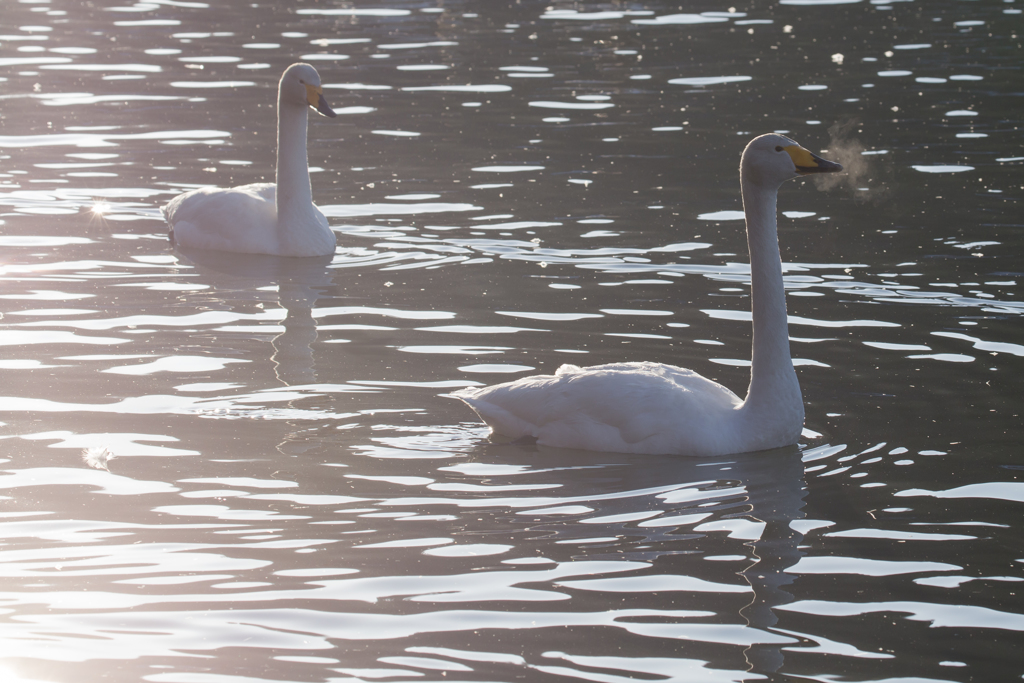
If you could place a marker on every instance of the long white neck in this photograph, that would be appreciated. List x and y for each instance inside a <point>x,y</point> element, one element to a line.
<point>774,393</point>
<point>294,194</point>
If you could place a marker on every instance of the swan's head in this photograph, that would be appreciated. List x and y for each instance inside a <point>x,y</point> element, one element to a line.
<point>773,159</point>
<point>300,85</point>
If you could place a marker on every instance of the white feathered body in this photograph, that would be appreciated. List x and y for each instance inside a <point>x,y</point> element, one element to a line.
<point>244,219</point>
<point>626,408</point>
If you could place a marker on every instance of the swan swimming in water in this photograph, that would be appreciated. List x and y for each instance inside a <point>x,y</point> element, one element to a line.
<point>655,409</point>
<point>264,218</point>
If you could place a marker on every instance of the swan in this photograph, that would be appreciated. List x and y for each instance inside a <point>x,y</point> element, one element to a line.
<point>280,218</point>
<point>658,409</point>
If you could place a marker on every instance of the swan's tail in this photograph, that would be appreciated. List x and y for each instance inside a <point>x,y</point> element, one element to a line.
<point>166,213</point>
<point>502,422</point>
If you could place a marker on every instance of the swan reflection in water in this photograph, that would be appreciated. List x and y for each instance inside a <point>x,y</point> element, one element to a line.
<point>669,512</point>
<point>299,282</point>
<point>776,486</point>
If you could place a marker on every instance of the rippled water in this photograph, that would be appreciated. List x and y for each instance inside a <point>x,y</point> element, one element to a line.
<point>293,497</point>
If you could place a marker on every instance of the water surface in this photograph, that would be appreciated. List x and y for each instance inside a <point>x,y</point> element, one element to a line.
<point>293,496</point>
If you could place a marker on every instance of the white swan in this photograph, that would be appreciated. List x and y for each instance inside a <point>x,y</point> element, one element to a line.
<point>264,218</point>
<point>661,409</point>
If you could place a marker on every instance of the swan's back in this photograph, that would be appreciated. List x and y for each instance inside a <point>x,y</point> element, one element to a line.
<point>240,219</point>
<point>623,407</point>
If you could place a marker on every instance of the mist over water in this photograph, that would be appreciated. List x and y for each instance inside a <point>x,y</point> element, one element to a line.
<point>219,468</point>
<point>860,177</point>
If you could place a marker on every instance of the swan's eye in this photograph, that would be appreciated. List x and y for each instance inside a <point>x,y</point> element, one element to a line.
<point>778,148</point>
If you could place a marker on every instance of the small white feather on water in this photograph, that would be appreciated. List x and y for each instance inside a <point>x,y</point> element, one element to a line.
<point>97,457</point>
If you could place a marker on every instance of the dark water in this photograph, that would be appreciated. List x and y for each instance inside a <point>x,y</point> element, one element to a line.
<point>514,186</point>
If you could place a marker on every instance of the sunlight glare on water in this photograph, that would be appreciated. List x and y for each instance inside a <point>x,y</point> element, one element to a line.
<point>276,484</point>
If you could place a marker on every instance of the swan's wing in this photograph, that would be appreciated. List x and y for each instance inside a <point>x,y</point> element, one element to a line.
<point>628,407</point>
<point>641,407</point>
<point>224,219</point>
<point>189,205</point>
<point>267,191</point>
<point>520,408</point>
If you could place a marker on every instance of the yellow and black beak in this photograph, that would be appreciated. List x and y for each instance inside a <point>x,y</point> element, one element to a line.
<point>806,162</point>
<point>315,97</point>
